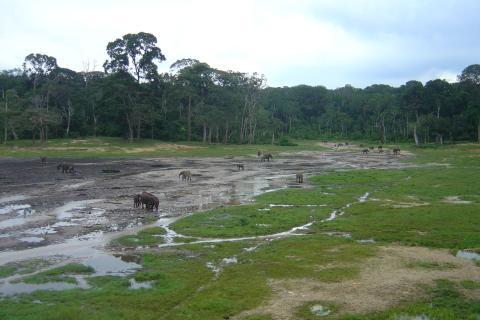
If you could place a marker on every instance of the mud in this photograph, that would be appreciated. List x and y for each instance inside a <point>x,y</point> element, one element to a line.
<point>44,212</point>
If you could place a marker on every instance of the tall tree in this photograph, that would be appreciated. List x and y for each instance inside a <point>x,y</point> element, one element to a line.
<point>38,66</point>
<point>136,53</point>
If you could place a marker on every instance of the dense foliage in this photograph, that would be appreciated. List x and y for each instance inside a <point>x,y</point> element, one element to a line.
<point>197,102</point>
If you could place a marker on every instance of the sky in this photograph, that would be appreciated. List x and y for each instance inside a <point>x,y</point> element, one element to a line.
<point>323,42</point>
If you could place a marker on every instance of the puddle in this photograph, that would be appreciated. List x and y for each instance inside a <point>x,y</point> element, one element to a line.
<point>216,270</point>
<point>455,200</point>
<point>250,249</point>
<point>76,185</point>
<point>105,264</point>
<point>319,310</point>
<point>364,197</point>
<point>232,260</point>
<point>31,239</point>
<point>12,222</point>
<point>19,197</point>
<point>65,211</point>
<point>18,288</point>
<point>20,209</point>
<point>366,241</point>
<point>470,255</point>
<point>41,230</point>
<point>333,215</point>
<point>135,285</point>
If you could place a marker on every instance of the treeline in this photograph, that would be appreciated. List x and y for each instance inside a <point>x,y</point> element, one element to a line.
<point>194,101</point>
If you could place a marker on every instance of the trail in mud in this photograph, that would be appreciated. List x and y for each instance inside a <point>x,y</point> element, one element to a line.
<point>44,212</point>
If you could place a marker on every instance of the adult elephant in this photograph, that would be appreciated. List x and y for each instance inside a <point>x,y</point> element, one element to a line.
<point>149,200</point>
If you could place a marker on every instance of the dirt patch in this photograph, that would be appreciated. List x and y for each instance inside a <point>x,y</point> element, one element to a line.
<point>162,147</point>
<point>384,281</point>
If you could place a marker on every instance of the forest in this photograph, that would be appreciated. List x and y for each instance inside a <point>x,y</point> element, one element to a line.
<point>196,102</point>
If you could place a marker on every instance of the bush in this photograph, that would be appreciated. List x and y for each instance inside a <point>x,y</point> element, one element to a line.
<point>285,142</point>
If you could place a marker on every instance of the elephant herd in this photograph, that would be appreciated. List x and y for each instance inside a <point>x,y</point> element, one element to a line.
<point>396,151</point>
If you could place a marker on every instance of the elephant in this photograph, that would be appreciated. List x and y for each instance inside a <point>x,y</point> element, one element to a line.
<point>299,177</point>
<point>380,149</point>
<point>267,157</point>
<point>137,200</point>
<point>43,160</point>
<point>185,175</point>
<point>66,167</point>
<point>396,151</point>
<point>365,151</point>
<point>240,166</point>
<point>149,200</point>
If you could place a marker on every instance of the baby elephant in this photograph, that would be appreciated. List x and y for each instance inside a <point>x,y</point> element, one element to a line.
<point>299,177</point>
<point>267,157</point>
<point>185,175</point>
<point>240,166</point>
<point>365,151</point>
<point>396,151</point>
<point>137,200</point>
<point>66,167</point>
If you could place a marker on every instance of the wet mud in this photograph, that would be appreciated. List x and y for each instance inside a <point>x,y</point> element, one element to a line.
<point>44,212</point>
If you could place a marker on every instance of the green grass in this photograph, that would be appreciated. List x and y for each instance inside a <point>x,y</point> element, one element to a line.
<point>23,267</point>
<point>405,206</point>
<point>117,147</point>
<point>60,274</point>
<point>146,237</point>
<point>246,220</point>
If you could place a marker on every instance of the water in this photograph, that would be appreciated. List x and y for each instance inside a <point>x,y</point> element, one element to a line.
<point>67,210</point>
<point>135,285</point>
<point>32,239</point>
<point>319,310</point>
<point>18,288</point>
<point>468,255</point>
<point>12,222</point>
<point>17,208</point>
<point>364,197</point>
<point>19,197</point>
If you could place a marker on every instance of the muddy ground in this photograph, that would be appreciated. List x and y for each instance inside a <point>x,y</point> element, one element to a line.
<point>45,212</point>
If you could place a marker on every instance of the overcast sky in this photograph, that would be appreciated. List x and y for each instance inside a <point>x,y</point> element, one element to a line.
<point>330,43</point>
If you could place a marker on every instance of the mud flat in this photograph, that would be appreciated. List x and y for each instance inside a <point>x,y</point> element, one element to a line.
<point>44,212</point>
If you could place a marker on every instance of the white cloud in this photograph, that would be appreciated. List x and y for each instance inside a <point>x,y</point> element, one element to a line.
<point>316,42</point>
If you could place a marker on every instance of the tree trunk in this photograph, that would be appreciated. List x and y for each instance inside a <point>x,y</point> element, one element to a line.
<point>210,135</point>
<point>69,115</point>
<point>189,119</point>
<point>478,132</point>
<point>139,128</point>
<point>217,138</point>
<point>273,137</point>
<point>94,125</point>
<point>130,129</point>
<point>225,138</point>
<point>5,136</point>
<point>415,136</point>
<point>204,132</point>
<point>14,134</point>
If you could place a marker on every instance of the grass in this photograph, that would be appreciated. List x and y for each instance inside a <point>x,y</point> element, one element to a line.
<point>23,267</point>
<point>147,237</point>
<point>117,147</point>
<point>444,302</point>
<point>406,206</point>
<point>60,274</point>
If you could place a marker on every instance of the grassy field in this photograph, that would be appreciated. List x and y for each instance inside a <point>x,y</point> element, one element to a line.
<point>117,147</point>
<point>435,205</point>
